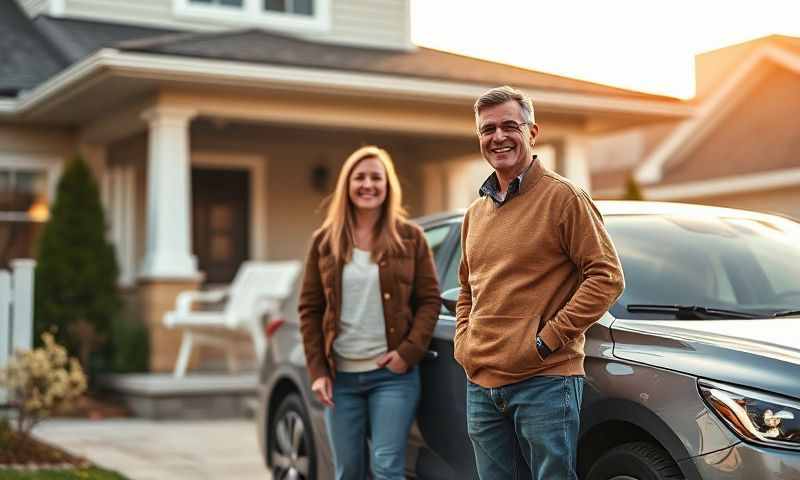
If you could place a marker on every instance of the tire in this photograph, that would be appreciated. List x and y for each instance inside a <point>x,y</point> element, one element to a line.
<point>635,461</point>
<point>291,451</point>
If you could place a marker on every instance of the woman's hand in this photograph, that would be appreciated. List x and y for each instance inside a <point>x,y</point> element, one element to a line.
<point>394,362</point>
<point>323,389</point>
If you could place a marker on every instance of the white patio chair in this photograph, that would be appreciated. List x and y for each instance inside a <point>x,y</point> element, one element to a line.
<point>259,288</point>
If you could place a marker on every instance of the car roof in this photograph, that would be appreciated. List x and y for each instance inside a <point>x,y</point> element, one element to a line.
<point>622,207</point>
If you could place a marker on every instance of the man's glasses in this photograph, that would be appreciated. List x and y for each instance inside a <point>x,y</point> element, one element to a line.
<point>506,127</point>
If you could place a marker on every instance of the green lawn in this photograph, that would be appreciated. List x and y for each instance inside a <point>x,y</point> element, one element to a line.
<point>76,474</point>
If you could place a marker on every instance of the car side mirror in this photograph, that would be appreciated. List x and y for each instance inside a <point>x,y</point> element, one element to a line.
<point>449,300</point>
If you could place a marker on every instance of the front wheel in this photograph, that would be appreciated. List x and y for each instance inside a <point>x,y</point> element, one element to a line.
<point>291,446</point>
<point>635,461</point>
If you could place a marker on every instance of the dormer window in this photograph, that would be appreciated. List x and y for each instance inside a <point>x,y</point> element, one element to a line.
<point>289,15</point>
<point>297,7</point>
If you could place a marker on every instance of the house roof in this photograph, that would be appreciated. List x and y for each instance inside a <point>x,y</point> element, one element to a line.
<point>757,135</point>
<point>743,137</point>
<point>749,91</point>
<point>26,57</point>
<point>75,39</point>
<point>712,68</point>
<point>259,46</point>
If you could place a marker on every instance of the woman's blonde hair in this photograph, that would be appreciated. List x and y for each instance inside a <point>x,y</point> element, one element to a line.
<point>340,222</point>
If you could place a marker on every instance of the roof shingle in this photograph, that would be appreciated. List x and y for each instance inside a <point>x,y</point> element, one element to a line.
<point>26,58</point>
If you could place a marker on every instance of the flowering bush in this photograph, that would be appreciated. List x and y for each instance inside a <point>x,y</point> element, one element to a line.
<point>42,381</point>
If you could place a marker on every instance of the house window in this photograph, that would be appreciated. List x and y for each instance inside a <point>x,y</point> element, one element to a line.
<point>297,7</point>
<point>23,211</point>
<point>290,15</point>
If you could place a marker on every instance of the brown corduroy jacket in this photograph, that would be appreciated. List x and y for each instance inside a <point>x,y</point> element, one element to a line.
<point>409,289</point>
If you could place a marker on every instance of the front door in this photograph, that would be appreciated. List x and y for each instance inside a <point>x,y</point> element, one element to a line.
<point>220,221</point>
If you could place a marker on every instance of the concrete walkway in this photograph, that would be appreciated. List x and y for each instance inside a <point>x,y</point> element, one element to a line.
<point>164,450</point>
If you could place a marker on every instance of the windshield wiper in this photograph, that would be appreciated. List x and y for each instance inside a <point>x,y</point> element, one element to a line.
<point>786,313</point>
<point>690,312</point>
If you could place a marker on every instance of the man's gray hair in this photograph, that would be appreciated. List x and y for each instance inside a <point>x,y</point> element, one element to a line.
<point>501,95</point>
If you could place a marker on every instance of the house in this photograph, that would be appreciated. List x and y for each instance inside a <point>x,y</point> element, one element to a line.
<point>216,126</point>
<point>740,149</point>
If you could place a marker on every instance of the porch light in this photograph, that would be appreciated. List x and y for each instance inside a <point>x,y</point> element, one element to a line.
<point>38,211</point>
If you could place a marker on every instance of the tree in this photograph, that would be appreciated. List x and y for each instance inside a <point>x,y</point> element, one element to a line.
<point>76,273</point>
<point>632,189</point>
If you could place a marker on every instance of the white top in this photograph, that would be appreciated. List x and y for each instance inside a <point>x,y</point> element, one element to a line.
<point>362,330</point>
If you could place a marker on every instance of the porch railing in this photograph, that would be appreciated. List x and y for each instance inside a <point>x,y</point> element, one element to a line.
<point>16,311</point>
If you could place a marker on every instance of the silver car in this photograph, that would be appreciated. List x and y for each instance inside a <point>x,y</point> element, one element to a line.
<point>693,374</point>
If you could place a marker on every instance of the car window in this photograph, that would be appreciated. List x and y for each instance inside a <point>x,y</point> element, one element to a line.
<point>749,264</point>
<point>451,274</point>
<point>436,237</point>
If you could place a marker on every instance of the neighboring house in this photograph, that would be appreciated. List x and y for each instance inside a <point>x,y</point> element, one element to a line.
<point>742,147</point>
<point>216,126</point>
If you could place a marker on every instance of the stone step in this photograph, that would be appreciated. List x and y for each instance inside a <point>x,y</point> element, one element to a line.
<point>194,396</point>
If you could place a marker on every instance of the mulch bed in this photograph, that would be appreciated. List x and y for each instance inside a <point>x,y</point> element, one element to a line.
<point>24,457</point>
<point>20,450</point>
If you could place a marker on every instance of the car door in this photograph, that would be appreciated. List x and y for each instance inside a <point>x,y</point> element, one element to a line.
<point>441,416</point>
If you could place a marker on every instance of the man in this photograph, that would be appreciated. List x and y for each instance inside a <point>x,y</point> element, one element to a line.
<point>538,268</point>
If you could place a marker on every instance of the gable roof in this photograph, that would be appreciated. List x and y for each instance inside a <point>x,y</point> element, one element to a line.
<point>76,39</point>
<point>26,58</point>
<point>758,134</point>
<point>716,106</point>
<point>713,67</point>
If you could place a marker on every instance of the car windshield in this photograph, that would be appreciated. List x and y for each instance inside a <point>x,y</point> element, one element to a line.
<point>741,264</point>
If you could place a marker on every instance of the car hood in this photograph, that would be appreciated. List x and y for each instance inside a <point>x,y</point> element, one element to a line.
<point>760,353</point>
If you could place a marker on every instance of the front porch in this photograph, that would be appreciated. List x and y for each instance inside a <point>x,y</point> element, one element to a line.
<point>151,125</point>
<point>174,233</point>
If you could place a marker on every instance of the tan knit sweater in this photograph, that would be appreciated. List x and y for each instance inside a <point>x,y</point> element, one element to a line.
<point>542,263</point>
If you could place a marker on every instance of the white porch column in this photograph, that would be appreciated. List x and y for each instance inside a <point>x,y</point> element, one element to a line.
<point>168,253</point>
<point>576,161</point>
<point>122,208</point>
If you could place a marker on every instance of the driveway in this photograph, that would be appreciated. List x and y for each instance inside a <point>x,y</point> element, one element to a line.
<point>163,450</point>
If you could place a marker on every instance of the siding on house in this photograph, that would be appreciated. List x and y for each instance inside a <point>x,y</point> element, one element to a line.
<point>375,23</point>
<point>384,23</point>
<point>34,7</point>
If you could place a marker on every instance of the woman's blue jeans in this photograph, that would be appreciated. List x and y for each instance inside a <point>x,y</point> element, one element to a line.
<point>379,405</point>
<point>527,429</point>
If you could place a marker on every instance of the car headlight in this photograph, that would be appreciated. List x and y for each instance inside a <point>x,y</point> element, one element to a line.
<point>757,417</point>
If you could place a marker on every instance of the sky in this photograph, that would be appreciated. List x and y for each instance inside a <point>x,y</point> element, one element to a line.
<point>645,45</point>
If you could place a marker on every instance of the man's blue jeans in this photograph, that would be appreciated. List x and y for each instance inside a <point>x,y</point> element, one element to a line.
<point>527,426</point>
<point>377,403</point>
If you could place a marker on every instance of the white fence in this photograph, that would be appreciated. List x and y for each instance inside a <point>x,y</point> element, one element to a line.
<point>16,311</point>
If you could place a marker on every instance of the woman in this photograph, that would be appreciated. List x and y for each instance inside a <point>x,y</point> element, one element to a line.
<point>368,305</point>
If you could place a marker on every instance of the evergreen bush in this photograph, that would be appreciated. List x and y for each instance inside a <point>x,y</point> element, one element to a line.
<point>75,287</point>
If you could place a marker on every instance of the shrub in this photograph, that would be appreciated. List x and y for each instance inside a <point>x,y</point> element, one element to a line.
<point>130,344</point>
<point>632,189</point>
<point>76,273</point>
<point>42,381</point>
